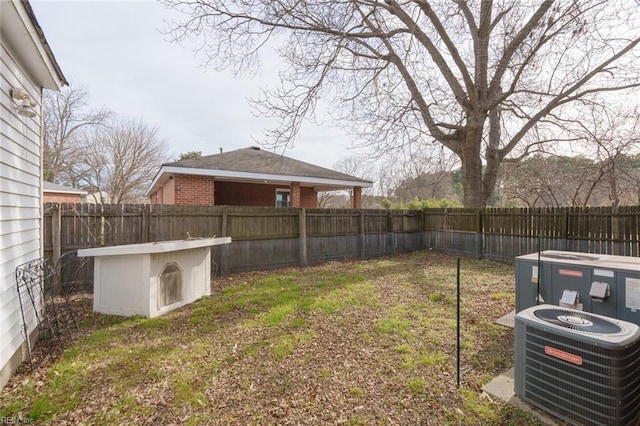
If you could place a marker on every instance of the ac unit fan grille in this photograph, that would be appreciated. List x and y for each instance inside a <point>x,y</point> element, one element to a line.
<point>604,389</point>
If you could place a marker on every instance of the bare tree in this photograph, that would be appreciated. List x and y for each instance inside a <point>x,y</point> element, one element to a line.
<point>485,79</point>
<point>121,160</point>
<point>614,136</point>
<point>352,166</point>
<point>66,117</point>
<point>549,181</point>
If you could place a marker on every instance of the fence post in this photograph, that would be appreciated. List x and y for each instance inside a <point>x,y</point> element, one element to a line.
<point>423,238</point>
<point>224,260</point>
<point>615,232</point>
<point>564,232</point>
<point>390,234</point>
<point>56,226</point>
<point>302,235</point>
<point>479,235</point>
<point>363,236</point>
<point>145,224</point>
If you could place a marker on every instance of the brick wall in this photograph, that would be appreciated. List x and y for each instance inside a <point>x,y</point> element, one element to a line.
<point>168,195</point>
<point>295,194</point>
<point>246,194</point>
<point>193,190</point>
<point>308,197</point>
<point>264,195</point>
<point>356,199</point>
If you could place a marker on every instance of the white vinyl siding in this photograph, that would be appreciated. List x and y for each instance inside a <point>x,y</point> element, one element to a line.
<point>20,196</point>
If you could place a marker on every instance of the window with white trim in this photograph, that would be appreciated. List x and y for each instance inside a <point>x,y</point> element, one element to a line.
<point>283,197</point>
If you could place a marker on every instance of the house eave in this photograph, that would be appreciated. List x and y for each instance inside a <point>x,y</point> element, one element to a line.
<point>49,191</point>
<point>265,178</point>
<point>25,37</point>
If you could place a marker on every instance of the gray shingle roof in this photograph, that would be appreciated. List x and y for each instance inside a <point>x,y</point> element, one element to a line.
<point>256,160</point>
<point>54,187</point>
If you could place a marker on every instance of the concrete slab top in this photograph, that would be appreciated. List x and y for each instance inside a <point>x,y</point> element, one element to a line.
<point>157,247</point>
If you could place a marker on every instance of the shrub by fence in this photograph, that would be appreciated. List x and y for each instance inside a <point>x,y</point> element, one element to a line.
<point>273,237</point>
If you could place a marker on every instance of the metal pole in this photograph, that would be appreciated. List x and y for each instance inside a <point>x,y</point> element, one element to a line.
<point>458,317</point>
<point>539,274</point>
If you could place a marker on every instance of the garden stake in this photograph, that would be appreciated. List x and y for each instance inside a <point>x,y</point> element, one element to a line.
<point>539,274</point>
<point>458,315</point>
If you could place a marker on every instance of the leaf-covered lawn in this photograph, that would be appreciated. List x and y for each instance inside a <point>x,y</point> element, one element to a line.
<point>357,342</point>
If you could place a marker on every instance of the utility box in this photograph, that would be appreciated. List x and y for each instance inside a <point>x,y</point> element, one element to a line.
<point>601,284</point>
<point>580,367</point>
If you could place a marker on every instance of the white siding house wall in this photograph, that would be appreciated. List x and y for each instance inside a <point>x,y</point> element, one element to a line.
<point>26,63</point>
<point>20,206</point>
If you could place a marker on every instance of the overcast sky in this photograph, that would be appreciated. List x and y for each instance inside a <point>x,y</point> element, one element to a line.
<point>116,50</point>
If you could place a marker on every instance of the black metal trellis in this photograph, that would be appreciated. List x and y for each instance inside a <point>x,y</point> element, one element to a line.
<point>44,291</point>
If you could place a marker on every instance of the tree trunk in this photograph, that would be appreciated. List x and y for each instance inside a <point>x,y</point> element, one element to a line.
<point>471,163</point>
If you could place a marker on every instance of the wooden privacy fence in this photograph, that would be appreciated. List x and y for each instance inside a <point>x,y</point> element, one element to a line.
<point>262,237</point>
<point>503,233</point>
<point>273,237</point>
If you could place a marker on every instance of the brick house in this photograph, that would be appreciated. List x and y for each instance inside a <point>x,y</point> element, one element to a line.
<point>249,177</point>
<point>54,193</point>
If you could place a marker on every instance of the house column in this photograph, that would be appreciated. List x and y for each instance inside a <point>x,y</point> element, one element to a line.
<point>295,194</point>
<point>356,201</point>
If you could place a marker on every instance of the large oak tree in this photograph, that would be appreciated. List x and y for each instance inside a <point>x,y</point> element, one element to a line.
<point>485,79</point>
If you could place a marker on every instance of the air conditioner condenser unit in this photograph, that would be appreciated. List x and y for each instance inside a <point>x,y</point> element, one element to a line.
<point>583,368</point>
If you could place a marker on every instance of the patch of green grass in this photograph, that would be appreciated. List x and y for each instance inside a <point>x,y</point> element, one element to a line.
<point>298,322</point>
<point>159,323</point>
<point>324,373</point>
<point>356,391</point>
<point>357,420</point>
<point>41,408</point>
<point>416,386</point>
<point>348,297</point>
<point>403,349</point>
<point>394,326</point>
<point>284,345</point>
<point>274,298</point>
<point>436,297</point>
<point>278,314</point>
<point>14,407</point>
<point>254,348</point>
<point>186,392</point>
<point>412,359</point>
<point>477,406</point>
<point>501,295</point>
<point>429,359</point>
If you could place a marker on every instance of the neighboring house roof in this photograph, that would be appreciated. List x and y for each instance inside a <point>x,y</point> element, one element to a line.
<point>31,45</point>
<point>257,165</point>
<point>61,189</point>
